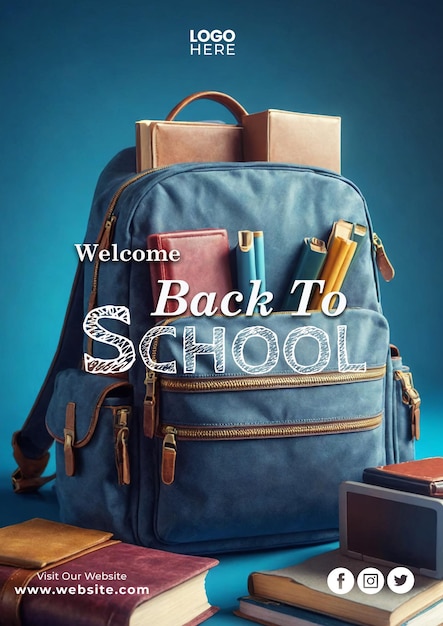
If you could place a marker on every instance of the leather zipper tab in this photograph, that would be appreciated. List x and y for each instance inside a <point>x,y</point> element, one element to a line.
<point>169,456</point>
<point>69,439</point>
<point>383,263</point>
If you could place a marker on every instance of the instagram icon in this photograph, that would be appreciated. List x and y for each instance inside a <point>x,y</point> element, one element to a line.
<point>370,580</point>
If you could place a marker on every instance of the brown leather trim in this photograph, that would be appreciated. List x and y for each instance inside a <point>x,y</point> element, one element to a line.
<point>69,433</point>
<point>28,477</point>
<point>168,465</point>
<point>10,601</point>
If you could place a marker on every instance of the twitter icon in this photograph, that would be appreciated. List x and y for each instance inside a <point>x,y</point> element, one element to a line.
<point>400,580</point>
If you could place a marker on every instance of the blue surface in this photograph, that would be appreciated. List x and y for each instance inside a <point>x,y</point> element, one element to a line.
<point>228,581</point>
<point>74,78</point>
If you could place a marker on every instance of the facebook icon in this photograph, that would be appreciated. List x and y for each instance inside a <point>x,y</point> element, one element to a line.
<point>340,580</point>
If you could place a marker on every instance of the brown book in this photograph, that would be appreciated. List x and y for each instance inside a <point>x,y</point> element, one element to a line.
<point>305,586</point>
<point>109,583</point>
<point>204,264</point>
<point>159,144</point>
<point>423,476</point>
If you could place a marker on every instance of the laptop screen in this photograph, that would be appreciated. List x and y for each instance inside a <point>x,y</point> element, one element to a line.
<point>392,531</point>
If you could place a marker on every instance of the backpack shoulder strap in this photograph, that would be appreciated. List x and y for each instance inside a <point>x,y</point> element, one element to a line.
<point>31,443</point>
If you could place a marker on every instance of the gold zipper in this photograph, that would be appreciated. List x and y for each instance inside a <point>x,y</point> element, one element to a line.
<point>278,381</point>
<point>277,430</point>
<point>150,404</point>
<point>171,434</point>
<point>121,189</point>
<point>105,235</point>
<point>243,383</point>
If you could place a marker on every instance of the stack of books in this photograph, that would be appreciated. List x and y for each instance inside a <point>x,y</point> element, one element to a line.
<point>304,594</point>
<point>325,261</point>
<point>62,575</point>
<point>209,249</point>
<point>300,595</point>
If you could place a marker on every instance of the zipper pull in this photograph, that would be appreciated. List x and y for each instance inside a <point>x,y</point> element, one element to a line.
<point>149,405</point>
<point>410,396</point>
<point>121,446</point>
<point>169,455</point>
<point>383,263</point>
<point>105,237</point>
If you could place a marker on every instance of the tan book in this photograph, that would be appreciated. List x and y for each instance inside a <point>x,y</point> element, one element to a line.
<point>305,586</point>
<point>27,544</point>
<point>341,228</point>
<point>286,136</point>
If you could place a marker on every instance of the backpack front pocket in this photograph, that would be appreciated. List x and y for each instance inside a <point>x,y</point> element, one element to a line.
<point>260,421</point>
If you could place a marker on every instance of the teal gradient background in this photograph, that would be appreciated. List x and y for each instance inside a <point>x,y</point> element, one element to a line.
<point>74,77</point>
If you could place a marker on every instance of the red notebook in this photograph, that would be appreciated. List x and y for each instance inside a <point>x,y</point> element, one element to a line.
<point>204,265</point>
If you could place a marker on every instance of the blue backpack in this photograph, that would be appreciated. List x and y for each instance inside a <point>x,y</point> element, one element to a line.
<point>158,443</point>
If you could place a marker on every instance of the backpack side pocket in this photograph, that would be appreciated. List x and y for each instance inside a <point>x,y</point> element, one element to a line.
<point>89,417</point>
<point>403,403</point>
